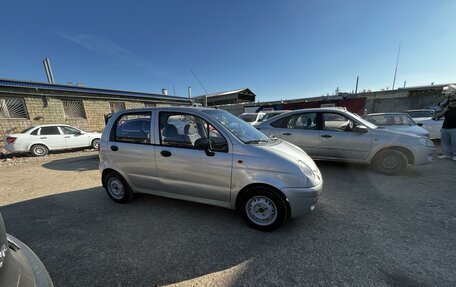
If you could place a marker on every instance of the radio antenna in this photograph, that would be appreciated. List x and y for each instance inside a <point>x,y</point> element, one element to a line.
<point>202,86</point>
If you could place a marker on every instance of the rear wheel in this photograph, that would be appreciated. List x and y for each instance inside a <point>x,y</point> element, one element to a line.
<point>117,188</point>
<point>39,150</point>
<point>390,162</point>
<point>95,144</point>
<point>263,208</point>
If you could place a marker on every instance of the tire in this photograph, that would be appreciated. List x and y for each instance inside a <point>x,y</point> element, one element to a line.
<point>263,208</point>
<point>390,162</point>
<point>39,150</point>
<point>117,188</point>
<point>95,144</point>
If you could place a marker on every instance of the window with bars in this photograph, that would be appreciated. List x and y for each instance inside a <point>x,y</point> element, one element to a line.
<point>74,109</point>
<point>117,106</point>
<point>13,108</point>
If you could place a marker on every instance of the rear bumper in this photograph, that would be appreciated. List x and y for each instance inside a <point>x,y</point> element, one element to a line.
<point>302,200</point>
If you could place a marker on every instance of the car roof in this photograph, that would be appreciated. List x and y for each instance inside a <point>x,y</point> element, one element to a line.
<point>51,125</point>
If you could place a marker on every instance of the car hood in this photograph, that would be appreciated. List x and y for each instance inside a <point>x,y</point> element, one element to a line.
<point>396,133</point>
<point>291,152</point>
<point>407,129</point>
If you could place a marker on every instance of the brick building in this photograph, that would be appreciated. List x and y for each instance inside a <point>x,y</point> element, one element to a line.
<point>24,103</point>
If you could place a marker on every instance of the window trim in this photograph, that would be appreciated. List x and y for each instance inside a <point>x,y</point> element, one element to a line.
<point>113,131</point>
<point>184,147</point>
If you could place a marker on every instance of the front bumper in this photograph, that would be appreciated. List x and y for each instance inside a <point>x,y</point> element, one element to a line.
<point>302,200</point>
<point>424,155</point>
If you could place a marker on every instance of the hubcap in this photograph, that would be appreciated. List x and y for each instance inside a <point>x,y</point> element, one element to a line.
<point>95,144</point>
<point>116,188</point>
<point>261,210</point>
<point>391,162</point>
<point>39,150</point>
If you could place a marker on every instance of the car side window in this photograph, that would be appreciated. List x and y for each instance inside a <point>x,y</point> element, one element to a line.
<point>337,122</point>
<point>35,132</point>
<point>183,130</point>
<point>307,121</point>
<point>132,128</point>
<point>49,131</point>
<point>69,130</point>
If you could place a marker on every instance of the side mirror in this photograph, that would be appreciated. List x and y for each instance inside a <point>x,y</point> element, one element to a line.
<point>419,124</point>
<point>360,129</point>
<point>204,144</point>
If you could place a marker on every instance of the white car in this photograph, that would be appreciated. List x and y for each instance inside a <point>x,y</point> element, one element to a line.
<point>424,117</point>
<point>397,121</point>
<point>39,140</point>
<point>252,118</point>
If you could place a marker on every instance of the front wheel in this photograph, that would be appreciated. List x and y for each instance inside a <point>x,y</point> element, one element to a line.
<point>263,209</point>
<point>390,162</point>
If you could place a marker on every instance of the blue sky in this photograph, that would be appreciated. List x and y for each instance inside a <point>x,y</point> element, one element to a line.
<point>278,49</point>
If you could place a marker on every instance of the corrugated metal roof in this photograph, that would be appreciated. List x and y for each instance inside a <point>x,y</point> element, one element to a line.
<point>81,89</point>
<point>223,93</point>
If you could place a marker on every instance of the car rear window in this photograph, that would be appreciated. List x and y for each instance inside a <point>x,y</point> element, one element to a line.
<point>49,131</point>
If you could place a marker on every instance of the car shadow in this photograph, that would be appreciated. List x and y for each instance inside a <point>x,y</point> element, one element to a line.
<point>82,163</point>
<point>86,239</point>
<point>11,155</point>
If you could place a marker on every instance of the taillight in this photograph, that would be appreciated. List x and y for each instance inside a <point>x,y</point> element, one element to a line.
<point>10,140</point>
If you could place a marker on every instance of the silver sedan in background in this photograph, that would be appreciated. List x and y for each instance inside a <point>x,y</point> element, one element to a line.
<point>338,135</point>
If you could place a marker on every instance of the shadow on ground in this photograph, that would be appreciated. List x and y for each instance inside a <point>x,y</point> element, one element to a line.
<point>82,163</point>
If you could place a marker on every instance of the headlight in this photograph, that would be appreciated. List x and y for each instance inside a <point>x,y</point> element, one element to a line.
<point>306,170</point>
<point>426,142</point>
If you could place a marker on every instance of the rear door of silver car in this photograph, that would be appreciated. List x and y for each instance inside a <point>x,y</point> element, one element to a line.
<point>132,151</point>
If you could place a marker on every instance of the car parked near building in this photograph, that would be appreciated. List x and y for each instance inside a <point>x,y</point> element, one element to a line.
<point>252,118</point>
<point>397,121</point>
<point>19,265</point>
<point>338,135</point>
<point>216,158</point>
<point>425,117</point>
<point>39,140</point>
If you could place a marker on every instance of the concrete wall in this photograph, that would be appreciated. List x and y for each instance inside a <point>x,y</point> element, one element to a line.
<point>53,113</point>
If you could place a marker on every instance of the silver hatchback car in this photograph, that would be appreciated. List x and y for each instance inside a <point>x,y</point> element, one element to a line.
<point>207,156</point>
<point>338,135</point>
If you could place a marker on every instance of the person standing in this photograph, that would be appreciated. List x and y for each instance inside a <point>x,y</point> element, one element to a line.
<point>448,131</point>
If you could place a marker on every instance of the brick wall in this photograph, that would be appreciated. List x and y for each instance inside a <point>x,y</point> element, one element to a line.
<point>53,113</point>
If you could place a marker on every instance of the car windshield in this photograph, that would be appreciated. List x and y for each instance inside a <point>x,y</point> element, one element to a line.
<point>239,128</point>
<point>269,115</point>
<point>250,118</point>
<point>391,120</point>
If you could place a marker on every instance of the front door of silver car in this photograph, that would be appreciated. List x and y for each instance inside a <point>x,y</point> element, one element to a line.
<point>202,174</point>
<point>340,140</point>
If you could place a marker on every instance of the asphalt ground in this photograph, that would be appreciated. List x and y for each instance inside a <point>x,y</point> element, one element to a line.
<point>368,229</point>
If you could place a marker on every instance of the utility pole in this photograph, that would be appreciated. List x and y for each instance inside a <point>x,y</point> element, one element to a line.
<point>397,62</point>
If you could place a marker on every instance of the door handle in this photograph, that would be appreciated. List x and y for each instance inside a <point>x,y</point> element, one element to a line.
<point>165,153</point>
<point>43,138</point>
<point>287,134</point>
<point>326,136</point>
<point>114,148</point>
<point>67,137</point>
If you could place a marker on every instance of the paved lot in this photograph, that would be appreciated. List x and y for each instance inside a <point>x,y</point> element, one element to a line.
<point>368,230</point>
